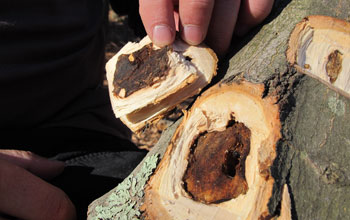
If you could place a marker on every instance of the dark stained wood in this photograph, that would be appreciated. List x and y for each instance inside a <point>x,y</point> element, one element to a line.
<point>334,65</point>
<point>216,170</point>
<point>140,69</point>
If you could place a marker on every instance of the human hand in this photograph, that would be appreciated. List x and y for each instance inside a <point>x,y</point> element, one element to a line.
<point>214,21</point>
<point>26,196</point>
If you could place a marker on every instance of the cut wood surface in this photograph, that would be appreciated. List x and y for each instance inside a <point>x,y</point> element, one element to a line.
<point>312,157</point>
<point>232,182</point>
<point>320,47</point>
<point>286,205</point>
<point>145,81</point>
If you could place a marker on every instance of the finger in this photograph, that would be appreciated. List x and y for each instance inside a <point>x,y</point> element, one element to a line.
<point>26,196</point>
<point>194,19</point>
<point>158,19</point>
<point>222,24</point>
<point>252,12</point>
<point>37,165</point>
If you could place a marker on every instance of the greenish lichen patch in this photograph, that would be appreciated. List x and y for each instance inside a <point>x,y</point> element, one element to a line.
<point>336,105</point>
<point>122,204</point>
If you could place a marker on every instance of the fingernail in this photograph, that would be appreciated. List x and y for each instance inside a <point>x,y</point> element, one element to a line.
<point>192,34</point>
<point>162,35</point>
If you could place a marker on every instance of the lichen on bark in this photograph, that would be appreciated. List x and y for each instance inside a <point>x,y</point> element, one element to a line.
<point>124,201</point>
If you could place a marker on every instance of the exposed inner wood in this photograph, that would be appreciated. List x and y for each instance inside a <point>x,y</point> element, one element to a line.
<point>216,170</point>
<point>319,46</point>
<point>144,114</point>
<point>140,69</point>
<point>286,206</point>
<point>169,194</point>
<point>334,65</point>
<point>145,81</point>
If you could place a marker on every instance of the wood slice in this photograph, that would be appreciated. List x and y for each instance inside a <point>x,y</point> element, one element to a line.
<point>145,81</point>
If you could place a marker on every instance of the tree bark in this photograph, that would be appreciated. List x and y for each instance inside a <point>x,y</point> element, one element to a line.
<point>313,154</point>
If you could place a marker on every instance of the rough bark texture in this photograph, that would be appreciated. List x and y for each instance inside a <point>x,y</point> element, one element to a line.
<point>314,154</point>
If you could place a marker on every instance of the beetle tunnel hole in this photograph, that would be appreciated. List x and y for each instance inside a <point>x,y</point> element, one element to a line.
<point>232,158</point>
<point>216,164</point>
<point>188,58</point>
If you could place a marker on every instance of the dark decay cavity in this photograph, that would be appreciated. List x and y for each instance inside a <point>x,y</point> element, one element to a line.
<point>216,168</point>
<point>188,58</point>
<point>334,65</point>
<point>140,69</point>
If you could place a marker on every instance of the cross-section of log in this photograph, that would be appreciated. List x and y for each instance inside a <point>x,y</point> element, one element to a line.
<point>319,46</point>
<point>217,165</point>
<point>146,81</point>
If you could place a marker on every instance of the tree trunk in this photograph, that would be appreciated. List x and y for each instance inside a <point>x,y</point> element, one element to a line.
<point>312,157</point>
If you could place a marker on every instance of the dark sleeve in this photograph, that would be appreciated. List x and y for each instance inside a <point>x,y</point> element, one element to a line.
<point>123,7</point>
<point>52,51</point>
<point>130,8</point>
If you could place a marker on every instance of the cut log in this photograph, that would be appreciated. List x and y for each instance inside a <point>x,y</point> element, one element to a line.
<point>320,47</point>
<point>313,154</point>
<point>145,81</point>
<point>218,163</point>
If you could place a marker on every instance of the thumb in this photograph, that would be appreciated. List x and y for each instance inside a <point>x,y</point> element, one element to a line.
<point>40,166</point>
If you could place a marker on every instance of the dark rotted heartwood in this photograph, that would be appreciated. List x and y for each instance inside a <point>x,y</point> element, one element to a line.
<point>217,165</point>
<point>334,65</point>
<point>140,69</point>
